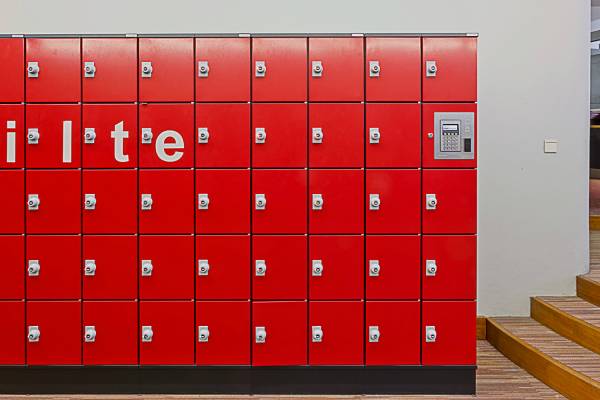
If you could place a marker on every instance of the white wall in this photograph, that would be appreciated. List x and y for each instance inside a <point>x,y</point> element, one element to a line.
<point>533,84</point>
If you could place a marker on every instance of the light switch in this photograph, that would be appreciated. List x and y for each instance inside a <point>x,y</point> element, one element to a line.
<point>550,146</point>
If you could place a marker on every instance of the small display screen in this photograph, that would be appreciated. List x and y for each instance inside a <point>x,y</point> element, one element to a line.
<point>450,127</point>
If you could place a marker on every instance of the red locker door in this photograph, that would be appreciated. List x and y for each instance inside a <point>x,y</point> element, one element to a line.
<point>449,69</point>
<point>110,201</point>
<point>12,346</point>
<point>167,332</point>
<point>336,202</point>
<point>449,267</point>
<point>392,333</point>
<point>166,267</point>
<point>336,333</point>
<point>336,266</point>
<point>223,341</point>
<point>110,333</point>
<point>448,332</point>
<point>336,135</point>
<point>279,201</point>
<point>429,160</point>
<point>167,135</point>
<point>110,275</point>
<point>450,201</point>
<point>53,333</point>
<point>223,69</point>
<point>223,201</point>
<point>109,69</point>
<point>279,333</point>
<point>110,136</point>
<point>11,70</point>
<point>53,73</point>
<point>53,267</point>
<point>12,143</point>
<point>336,69</point>
<point>223,267</point>
<point>279,135</point>
<point>392,136</point>
<point>12,285</point>
<point>53,136</point>
<point>279,267</point>
<point>12,201</point>
<point>223,135</point>
<point>393,267</point>
<point>166,69</point>
<point>393,199</point>
<point>166,201</point>
<point>53,201</point>
<point>393,69</point>
<point>279,69</point>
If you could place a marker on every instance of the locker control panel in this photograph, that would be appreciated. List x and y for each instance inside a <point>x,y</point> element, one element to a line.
<point>454,135</point>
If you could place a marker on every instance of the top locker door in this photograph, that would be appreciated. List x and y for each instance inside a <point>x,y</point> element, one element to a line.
<point>52,70</point>
<point>449,69</point>
<point>279,69</point>
<point>223,69</point>
<point>393,69</point>
<point>109,70</point>
<point>336,69</point>
<point>166,69</point>
<point>11,70</point>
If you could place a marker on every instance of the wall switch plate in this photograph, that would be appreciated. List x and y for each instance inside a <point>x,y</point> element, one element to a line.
<point>550,146</point>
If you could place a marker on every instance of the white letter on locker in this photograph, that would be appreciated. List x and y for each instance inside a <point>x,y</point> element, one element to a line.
<point>67,141</point>
<point>161,146</point>
<point>11,142</point>
<point>119,134</point>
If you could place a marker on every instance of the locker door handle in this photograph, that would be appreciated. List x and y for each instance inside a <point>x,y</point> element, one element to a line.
<point>89,201</point>
<point>33,69</point>
<point>317,334</point>
<point>203,135</point>
<point>430,334</point>
<point>203,267</point>
<point>147,333</point>
<point>317,201</point>
<point>89,268</point>
<point>146,135</point>
<point>317,268</point>
<point>374,201</point>
<point>374,135</point>
<point>33,333</point>
<point>203,201</point>
<point>203,333</point>
<point>260,334</point>
<point>430,201</point>
<point>146,69</point>
<point>374,334</point>
<point>260,267</point>
<point>260,135</point>
<point>430,268</point>
<point>430,69</point>
<point>374,268</point>
<point>147,267</point>
<point>33,136</point>
<point>374,69</point>
<point>317,69</point>
<point>89,69</point>
<point>146,201</point>
<point>90,334</point>
<point>203,69</point>
<point>260,201</point>
<point>260,69</point>
<point>317,135</point>
<point>34,268</point>
<point>89,137</point>
<point>33,202</point>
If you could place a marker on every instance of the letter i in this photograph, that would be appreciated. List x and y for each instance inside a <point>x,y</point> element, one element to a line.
<point>11,142</point>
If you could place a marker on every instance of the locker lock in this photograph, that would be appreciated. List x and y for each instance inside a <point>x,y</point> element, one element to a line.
<point>147,333</point>
<point>260,201</point>
<point>203,267</point>
<point>260,135</point>
<point>203,333</point>
<point>89,137</point>
<point>261,267</point>
<point>260,334</point>
<point>146,135</point>
<point>374,69</point>
<point>317,68</point>
<point>147,267</point>
<point>374,268</point>
<point>90,201</point>
<point>261,69</point>
<point>430,334</point>
<point>146,69</point>
<point>374,334</point>
<point>90,334</point>
<point>89,69</point>
<point>317,334</point>
<point>374,201</point>
<point>33,69</point>
<point>430,201</point>
<point>430,68</point>
<point>89,267</point>
<point>430,268</point>
<point>33,136</point>
<point>317,268</point>
<point>374,135</point>
<point>146,201</point>
<point>203,135</point>
<point>33,202</point>
<point>203,69</point>
<point>34,333</point>
<point>33,267</point>
<point>317,201</point>
<point>203,201</point>
<point>317,135</point>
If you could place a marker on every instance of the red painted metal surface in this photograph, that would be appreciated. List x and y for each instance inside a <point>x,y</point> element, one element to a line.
<point>12,285</point>
<point>12,204</point>
<point>12,345</point>
<point>11,70</point>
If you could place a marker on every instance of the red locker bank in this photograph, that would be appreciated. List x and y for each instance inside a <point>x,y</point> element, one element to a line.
<point>241,214</point>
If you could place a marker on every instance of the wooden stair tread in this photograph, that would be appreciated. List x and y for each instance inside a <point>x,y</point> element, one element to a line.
<point>553,345</point>
<point>575,306</point>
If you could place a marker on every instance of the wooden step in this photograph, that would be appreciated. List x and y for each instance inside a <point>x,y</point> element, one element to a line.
<point>588,286</point>
<point>560,363</point>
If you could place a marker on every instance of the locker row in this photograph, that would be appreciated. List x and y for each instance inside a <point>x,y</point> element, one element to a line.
<point>238,69</point>
<point>258,333</point>
<point>237,267</point>
<point>218,135</point>
<point>327,201</point>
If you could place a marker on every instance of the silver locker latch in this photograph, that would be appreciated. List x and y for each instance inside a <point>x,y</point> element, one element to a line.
<point>203,201</point>
<point>260,135</point>
<point>89,334</point>
<point>33,202</point>
<point>203,267</point>
<point>33,69</point>
<point>89,201</point>
<point>33,268</point>
<point>374,268</point>
<point>261,69</point>
<point>147,267</point>
<point>146,69</point>
<point>260,267</point>
<point>317,334</point>
<point>260,334</point>
<point>430,201</point>
<point>374,201</point>
<point>317,135</point>
<point>260,201</point>
<point>33,334</point>
<point>430,268</point>
<point>374,334</point>
<point>374,69</point>
<point>147,333</point>
<point>430,68</point>
<point>203,135</point>
<point>146,135</point>
<point>317,268</point>
<point>89,69</point>
<point>374,135</point>
<point>146,201</point>
<point>33,136</point>
<point>430,334</point>
<point>317,201</point>
<point>89,136</point>
<point>317,68</point>
<point>203,333</point>
<point>89,267</point>
<point>203,69</point>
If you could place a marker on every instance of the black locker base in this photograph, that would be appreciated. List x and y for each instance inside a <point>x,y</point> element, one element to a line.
<point>238,380</point>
